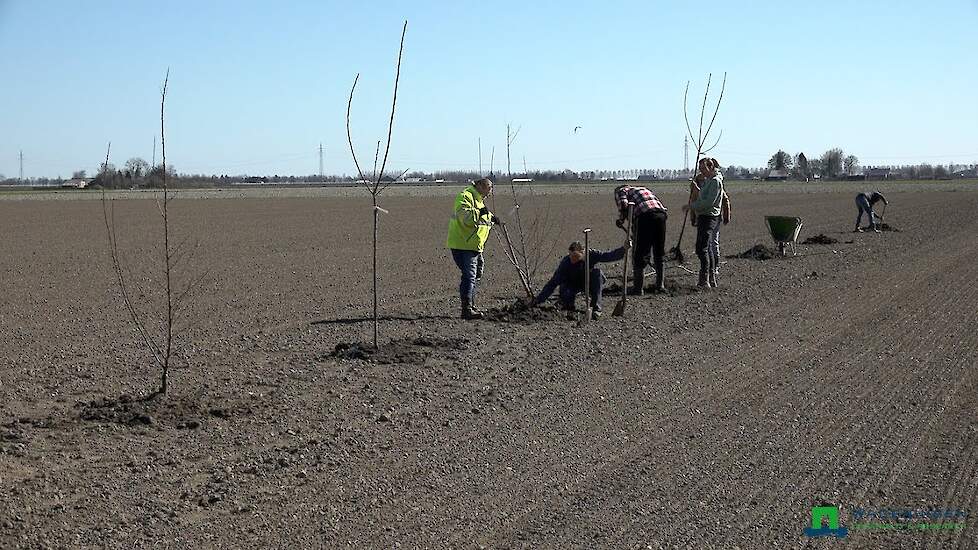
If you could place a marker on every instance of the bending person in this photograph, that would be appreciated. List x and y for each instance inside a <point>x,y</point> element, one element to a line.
<point>648,231</point>
<point>865,202</point>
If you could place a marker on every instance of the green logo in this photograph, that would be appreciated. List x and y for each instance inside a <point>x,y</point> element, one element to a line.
<point>830,515</point>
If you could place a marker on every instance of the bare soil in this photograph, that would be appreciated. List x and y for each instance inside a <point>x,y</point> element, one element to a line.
<point>845,375</point>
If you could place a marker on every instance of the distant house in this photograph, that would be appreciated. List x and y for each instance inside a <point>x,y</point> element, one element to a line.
<point>77,183</point>
<point>522,180</point>
<point>878,173</point>
<point>647,177</point>
<point>966,173</point>
<point>856,177</point>
<point>776,175</point>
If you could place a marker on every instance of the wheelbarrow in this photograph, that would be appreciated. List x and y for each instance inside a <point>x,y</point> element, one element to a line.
<point>784,230</point>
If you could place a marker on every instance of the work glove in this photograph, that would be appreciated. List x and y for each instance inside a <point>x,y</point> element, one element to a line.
<point>484,211</point>
<point>620,223</point>
<point>628,244</point>
<point>495,219</point>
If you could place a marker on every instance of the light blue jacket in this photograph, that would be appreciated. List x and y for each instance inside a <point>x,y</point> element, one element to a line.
<point>711,195</point>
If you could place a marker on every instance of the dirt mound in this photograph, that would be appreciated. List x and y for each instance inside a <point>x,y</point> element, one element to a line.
<point>518,312</point>
<point>820,239</point>
<point>401,350</point>
<point>151,411</point>
<point>887,227</point>
<point>757,252</point>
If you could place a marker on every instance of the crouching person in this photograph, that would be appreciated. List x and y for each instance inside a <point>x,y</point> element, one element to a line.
<point>468,231</point>
<point>569,277</point>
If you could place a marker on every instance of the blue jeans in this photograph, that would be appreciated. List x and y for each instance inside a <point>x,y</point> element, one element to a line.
<point>568,292</point>
<point>863,204</point>
<point>468,263</point>
<point>714,246</point>
<point>706,227</point>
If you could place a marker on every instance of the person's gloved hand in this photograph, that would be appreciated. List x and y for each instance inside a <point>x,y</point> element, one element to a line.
<point>484,211</point>
<point>620,223</point>
<point>628,244</point>
<point>495,219</point>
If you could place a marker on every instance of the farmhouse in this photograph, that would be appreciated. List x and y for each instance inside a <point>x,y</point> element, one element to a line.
<point>76,183</point>
<point>877,173</point>
<point>776,175</point>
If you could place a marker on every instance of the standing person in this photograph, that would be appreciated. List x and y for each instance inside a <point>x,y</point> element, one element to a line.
<point>569,276</point>
<point>706,204</point>
<point>468,231</point>
<point>648,232</point>
<point>865,202</point>
<point>715,241</point>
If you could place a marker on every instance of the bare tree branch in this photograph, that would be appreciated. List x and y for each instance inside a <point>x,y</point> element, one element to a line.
<point>349,137</point>
<point>390,127</point>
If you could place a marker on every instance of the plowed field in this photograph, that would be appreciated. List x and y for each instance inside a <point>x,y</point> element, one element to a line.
<point>846,375</point>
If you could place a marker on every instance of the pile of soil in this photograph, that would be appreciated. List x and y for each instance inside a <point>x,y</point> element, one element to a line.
<point>149,411</point>
<point>518,312</point>
<point>401,350</point>
<point>887,227</point>
<point>757,252</point>
<point>820,239</point>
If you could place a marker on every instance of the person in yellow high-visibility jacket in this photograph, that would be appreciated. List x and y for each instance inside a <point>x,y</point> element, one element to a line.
<point>468,231</point>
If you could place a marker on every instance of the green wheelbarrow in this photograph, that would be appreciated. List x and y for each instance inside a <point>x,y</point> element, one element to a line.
<point>784,230</point>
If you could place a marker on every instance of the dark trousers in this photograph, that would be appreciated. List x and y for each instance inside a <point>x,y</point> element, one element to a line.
<point>468,263</point>
<point>650,236</point>
<point>568,292</point>
<point>862,203</point>
<point>706,228</point>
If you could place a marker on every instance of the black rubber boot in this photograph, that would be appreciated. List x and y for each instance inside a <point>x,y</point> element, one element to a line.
<point>638,284</point>
<point>704,280</point>
<point>468,313</point>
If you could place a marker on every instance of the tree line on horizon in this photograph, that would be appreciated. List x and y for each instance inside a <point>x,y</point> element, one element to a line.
<point>832,164</point>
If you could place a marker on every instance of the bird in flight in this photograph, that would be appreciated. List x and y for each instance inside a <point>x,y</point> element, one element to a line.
<point>576,128</point>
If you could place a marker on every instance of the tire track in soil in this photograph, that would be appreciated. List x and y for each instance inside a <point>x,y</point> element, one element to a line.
<point>948,400</point>
<point>880,449</point>
<point>893,392</point>
<point>827,428</point>
<point>704,398</point>
<point>898,441</point>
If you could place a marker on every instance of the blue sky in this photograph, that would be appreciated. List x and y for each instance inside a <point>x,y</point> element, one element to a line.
<point>256,86</point>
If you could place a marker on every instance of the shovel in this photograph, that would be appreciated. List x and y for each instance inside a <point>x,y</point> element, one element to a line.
<point>675,252</point>
<point>620,306</point>
<point>587,276</point>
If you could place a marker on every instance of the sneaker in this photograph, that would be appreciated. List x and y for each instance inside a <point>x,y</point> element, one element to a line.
<point>857,230</point>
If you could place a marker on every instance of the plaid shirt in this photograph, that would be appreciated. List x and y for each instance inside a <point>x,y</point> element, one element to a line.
<point>644,200</point>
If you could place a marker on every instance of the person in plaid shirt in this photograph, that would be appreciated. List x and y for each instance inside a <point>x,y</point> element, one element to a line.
<point>648,233</point>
